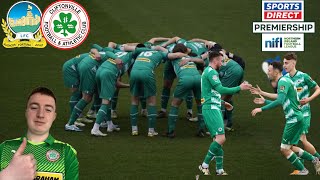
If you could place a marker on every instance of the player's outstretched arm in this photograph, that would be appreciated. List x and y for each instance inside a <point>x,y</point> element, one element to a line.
<point>195,60</point>
<point>176,55</point>
<point>258,91</point>
<point>199,40</point>
<point>171,41</point>
<point>112,45</point>
<point>158,39</point>
<point>209,44</point>
<point>160,48</point>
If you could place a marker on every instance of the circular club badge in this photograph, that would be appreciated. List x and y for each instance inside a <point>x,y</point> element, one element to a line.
<point>65,24</point>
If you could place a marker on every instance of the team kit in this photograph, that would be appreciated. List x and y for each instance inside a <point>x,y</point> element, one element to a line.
<point>206,73</point>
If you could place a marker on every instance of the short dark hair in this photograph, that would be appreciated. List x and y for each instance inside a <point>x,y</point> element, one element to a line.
<point>214,54</point>
<point>277,65</point>
<point>140,45</point>
<point>180,48</point>
<point>43,91</point>
<point>216,47</point>
<point>291,56</point>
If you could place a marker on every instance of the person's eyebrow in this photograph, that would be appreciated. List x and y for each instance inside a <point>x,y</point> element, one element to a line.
<point>37,104</point>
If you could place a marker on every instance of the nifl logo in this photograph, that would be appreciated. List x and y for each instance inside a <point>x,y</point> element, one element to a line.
<point>273,43</point>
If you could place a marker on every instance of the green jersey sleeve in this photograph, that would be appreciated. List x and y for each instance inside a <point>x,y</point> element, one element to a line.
<point>71,163</point>
<point>215,82</point>
<point>309,81</point>
<point>283,86</point>
<point>148,44</point>
<point>275,103</point>
<point>1,149</point>
<point>137,51</point>
<point>182,41</point>
<point>96,46</point>
<point>108,54</point>
<point>164,56</point>
<point>213,78</point>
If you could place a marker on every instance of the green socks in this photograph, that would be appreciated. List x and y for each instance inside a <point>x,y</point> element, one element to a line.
<point>152,114</point>
<point>189,100</point>
<point>102,113</point>
<point>77,110</point>
<point>74,99</point>
<point>114,100</point>
<point>294,160</point>
<point>165,97</point>
<point>200,118</point>
<point>173,114</point>
<point>215,151</point>
<point>133,114</point>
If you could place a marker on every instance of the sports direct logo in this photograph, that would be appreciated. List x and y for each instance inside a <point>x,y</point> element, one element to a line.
<point>282,11</point>
<point>65,24</point>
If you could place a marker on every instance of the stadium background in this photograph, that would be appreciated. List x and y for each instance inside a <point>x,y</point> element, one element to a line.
<point>251,152</point>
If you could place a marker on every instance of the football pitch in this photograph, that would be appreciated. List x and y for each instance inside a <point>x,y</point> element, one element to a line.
<point>252,151</point>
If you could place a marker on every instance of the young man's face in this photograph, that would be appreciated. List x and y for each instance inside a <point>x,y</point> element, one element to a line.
<point>219,61</point>
<point>289,64</point>
<point>272,73</point>
<point>40,113</point>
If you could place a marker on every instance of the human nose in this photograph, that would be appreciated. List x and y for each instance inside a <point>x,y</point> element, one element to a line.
<point>40,113</point>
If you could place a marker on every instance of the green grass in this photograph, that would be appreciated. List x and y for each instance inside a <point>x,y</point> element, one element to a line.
<point>251,152</point>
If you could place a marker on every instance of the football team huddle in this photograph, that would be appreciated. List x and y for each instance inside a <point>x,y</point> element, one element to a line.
<point>97,75</point>
<point>204,71</point>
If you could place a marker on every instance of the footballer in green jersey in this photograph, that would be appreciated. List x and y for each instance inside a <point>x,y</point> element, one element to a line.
<point>87,69</point>
<point>189,79</point>
<point>304,84</point>
<point>211,90</point>
<point>287,97</point>
<point>107,78</point>
<point>143,83</point>
<point>194,49</point>
<point>54,159</point>
<point>231,75</point>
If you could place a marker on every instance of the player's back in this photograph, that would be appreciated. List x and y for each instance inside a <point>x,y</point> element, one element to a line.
<point>189,69</point>
<point>149,60</point>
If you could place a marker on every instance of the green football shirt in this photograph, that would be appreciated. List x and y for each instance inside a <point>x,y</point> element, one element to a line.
<point>291,105</point>
<point>210,98</point>
<point>303,82</point>
<point>56,160</point>
<point>189,69</point>
<point>149,60</point>
<point>196,47</point>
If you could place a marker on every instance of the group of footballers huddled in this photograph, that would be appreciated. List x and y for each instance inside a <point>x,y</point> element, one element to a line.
<point>96,76</point>
<point>204,71</point>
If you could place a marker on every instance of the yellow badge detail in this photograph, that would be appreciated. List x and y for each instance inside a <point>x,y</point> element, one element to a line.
<point>111,61</point>
<point>143,59</point>
<point>49,176</point>
<point>189,66</point>
<point>299,89</point>
<point>202,100</point>
<point>34,41</point>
